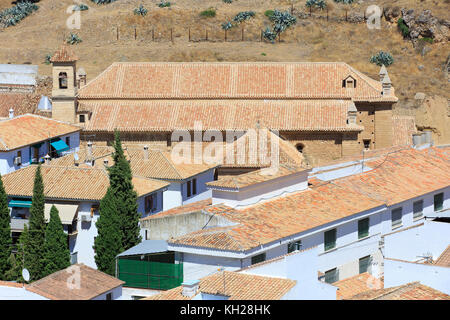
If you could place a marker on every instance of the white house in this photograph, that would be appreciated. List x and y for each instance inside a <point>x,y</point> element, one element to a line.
<point>76,193</point>
<point>187,181</point>
<point>73,283</point>
<point>27,139</point>
<point>255,217</point>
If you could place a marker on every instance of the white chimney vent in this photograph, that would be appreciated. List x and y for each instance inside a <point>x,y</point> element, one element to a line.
<point>105,162</point>
<point>89,154</point>
<point>190,288</point>
<point>145,152</point>
<point>11,113</point>
<point>47,159</point>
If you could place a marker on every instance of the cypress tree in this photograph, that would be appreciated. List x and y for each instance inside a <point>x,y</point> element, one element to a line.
<point>56,252</point>
<point>120,178</point>
<point>35,242</point>
<point>17,261</point>
<point>108,243</point>
<point>5,233</point>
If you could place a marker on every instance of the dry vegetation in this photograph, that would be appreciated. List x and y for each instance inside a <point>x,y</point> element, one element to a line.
<point>310,40</point>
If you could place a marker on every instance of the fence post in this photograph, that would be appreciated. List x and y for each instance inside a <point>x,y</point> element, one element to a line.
<point>135,33</point>
<point>225,35</point>
<point>117,33</point>
<point>242,31</point>
<point>206,34</point>
<point>153,34</point>
<point>189,34</point>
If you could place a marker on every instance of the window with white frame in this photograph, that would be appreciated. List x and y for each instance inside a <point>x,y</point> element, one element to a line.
<point>396,217</point>
<point>418,209</point>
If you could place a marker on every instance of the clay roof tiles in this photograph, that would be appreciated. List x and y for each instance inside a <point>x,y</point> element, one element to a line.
<point>64,54</point>
<point>410,291</point>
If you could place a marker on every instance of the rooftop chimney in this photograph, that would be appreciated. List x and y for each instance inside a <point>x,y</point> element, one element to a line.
<point>11,113</point>
<point>351,113</point>
<point>47,159</point>
<point>105,162</point>
<point>89,154</point>
<point>145,152</point>
<point>190,288</point>
<point>383,72</point>
<point>386,84</point>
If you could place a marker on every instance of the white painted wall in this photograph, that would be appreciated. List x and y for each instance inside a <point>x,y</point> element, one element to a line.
<point>262,191</point>
<point>116,294</point>
<point>12,293</point>
<point>401,272</point>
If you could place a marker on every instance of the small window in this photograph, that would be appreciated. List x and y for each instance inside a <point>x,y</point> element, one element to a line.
<point>19,158</point>
<point>366,144</point>
<point>68,141</point>
<point>332,275</point>
<point>363,228</point>
<point>188,186</point>
<point>349,82</point>
<point>146,234</point>
<point>63,80</point>
<point>94,209</point>
<point>194,186</point>
<point>418,209</point>
<point>396,217</point>
<point>216,175</point>
<point>259,258</point>
<point>293,246</point>
<point>82,118</point>
<point>364,264</point>
<point>109,296</point>
<point>330,239</point>
<point>438,201</point>
<point>150,203</point>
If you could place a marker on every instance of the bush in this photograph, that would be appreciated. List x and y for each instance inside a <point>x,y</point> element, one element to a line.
<point>227,25</point>
<point>403,27</point>
<point>48,56</point>
<point>382,58</point>
<point>102,1</point>
<point>141,11</point>
<point>284,19</point>
<point>269,35</point>
<point>208,13</point>
<point>242,16</point>
<point>344,1</point>
<point>73,39</point>
<point>427,39</point>
<point>164,4</point>
<point>81,7</point>
<point>227,1</point>
<point>268,13</point>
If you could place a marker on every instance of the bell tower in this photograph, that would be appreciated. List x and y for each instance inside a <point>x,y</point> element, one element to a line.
<point>64,90</point>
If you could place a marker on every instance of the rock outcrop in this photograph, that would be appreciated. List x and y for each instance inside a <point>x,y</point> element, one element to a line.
<point>425,25</point>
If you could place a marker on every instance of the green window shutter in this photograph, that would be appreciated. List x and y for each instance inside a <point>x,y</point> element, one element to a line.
<point>396,217</point>
<point>418,209</point>
<point>364,264</point>
<point>438,202</point>
<point>330,239</point>
<point>363,228</point>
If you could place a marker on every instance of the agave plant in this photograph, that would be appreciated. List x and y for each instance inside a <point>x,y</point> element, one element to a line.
<point>73,39</point>
<point>344,1</point>
<point>283,18</point>
<point>227,25</point>
<point>164,4</point>
<point>242,16</point>
<point>81,7</point>
<point>382,58</point>
<point>141,11</point>
<point>102,1</point>
<point>12,16</point>
<point>227,1</point>
<point>269,34</point>
<point>48,56</point>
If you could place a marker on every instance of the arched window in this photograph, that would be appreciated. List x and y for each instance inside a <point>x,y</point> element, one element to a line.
<point>300,147</point>
<point>63,80</point>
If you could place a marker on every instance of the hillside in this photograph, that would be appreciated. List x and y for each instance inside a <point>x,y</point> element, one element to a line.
<point>311,39</point>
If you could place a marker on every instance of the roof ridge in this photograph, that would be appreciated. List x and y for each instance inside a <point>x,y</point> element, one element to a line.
<point>170,164</point>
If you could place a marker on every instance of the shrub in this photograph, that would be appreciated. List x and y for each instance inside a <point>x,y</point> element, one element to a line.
<point>426,39</point>
<point>382,58</point>
<point>208,13</point>
<point>12,16</point>
<point>285,19</point>
<point>227,1</point>
<point>344,1</point>
<point>268,13</point>
<point>242,16</point>
<point>403,27</point>
<point>141,11</point>
<point>102,1</point>
<point>81,7</point>
<point>269,34</point>
<point>227,25</point>
<point>48,56</point>
<point>73,39</point>
<point>164,4</point>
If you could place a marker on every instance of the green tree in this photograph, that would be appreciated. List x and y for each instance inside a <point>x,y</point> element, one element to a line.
<point>56,252</point>
<point>17,261</point>
<point>120,178</point>
<point>35,242</point>
<point>5,233</point>
<point>108,244</point>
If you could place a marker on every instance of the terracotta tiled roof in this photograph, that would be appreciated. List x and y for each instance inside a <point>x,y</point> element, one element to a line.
<point>360,283</point>
<point>258,80</point>
<point>238,286</point>
<point>92,284</point>
<point>254,177</point>
<point>64,54</point>
<point>403,127</point>
<point>188,208</point>
<point>444,258</point>
<point>170,115</point>
<point>19,103</point>
<point>279,218</point>
<point>70,183</point>
<point>159,165</point>
<point>402,175</point>
<point>410,291</point>
<point>29,129</point>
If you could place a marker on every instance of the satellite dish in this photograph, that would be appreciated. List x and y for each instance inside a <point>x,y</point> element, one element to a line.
<point>25,274</point>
